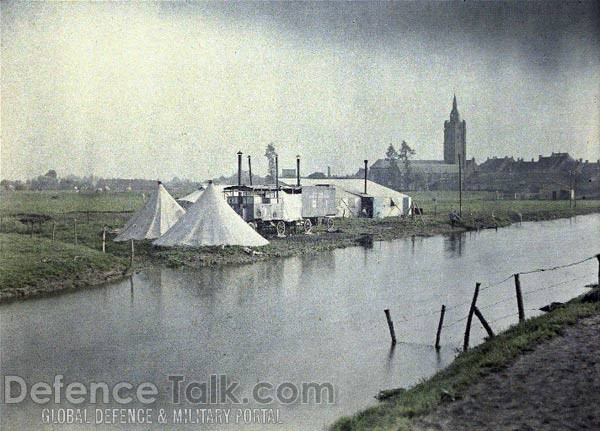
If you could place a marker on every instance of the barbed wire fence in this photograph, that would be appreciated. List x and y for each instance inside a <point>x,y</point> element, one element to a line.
<point>475,311</point>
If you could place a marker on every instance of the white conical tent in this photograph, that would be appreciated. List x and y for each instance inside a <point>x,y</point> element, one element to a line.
<point>155,218</point>
<point>211,221</point>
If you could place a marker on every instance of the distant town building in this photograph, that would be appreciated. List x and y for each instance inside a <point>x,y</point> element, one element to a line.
<point>549,177</point>
<point>557,176</point>
<point>429,174</point>
<point>455,137</point>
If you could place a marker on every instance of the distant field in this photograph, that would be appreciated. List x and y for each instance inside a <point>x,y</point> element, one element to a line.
<point>445,201</point>
<point>59,202</point>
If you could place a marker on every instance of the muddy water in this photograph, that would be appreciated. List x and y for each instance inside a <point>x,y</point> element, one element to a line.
<point>303,319</point>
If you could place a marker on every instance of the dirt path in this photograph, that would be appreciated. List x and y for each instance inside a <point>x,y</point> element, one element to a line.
<point>555,387</point>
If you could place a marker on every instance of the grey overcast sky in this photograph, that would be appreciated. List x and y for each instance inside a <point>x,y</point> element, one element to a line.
<point>158,90</point>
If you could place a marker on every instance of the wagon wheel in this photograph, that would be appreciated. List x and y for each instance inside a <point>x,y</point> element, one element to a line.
<point>330,224</point>
<point>280,228</point>
<point>253,225</point>
<point>307,226</point>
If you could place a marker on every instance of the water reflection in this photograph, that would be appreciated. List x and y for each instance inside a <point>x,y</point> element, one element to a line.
<point>453,244</point>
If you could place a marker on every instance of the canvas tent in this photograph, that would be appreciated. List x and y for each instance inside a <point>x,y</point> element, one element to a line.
<point>211,221</point>
<point>351,201</point>
<point>188,200</point>
<point>157,215</point>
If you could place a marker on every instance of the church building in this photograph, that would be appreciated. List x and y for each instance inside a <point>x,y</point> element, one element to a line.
<point>455,137</point>
<point>430,174</point>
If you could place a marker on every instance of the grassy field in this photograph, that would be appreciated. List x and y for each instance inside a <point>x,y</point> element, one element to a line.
<point>398,407</point>
<point>37,265</point>
<point>60,202</point>
<point>69,216</point>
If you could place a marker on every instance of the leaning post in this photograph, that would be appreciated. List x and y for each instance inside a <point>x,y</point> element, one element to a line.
<point>104,239</point>
<point>439,330</point>
<point>470,317</point>
<point>519,298</point>
<point>390,325</point>
<point>484,322</point>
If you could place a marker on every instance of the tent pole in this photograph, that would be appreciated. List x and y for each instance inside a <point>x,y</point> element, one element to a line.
<point>277,177</point>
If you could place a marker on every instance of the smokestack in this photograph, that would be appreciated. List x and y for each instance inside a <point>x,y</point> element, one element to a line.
<point>250,169</point>
<point>328,171</point>
<point>239,154</point>
<point>298,170</point>
<point>277,177</point>
<point>366,171</point>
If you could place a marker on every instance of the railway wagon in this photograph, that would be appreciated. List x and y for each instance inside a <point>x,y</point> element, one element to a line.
<point>283,207</point>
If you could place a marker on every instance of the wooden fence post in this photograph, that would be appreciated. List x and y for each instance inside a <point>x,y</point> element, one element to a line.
<point>104,239</point>
<point>439,330</point>
<point>53,229</point>
<point>390,325</point>
<point>519,298</point>
<point>487,327</point>
<point>75,229</point>
<point>598,257</point>
<point>132,254</point>
<point>470,317</point>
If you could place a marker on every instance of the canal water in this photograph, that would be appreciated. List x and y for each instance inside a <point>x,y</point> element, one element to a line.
<point>299,320</point>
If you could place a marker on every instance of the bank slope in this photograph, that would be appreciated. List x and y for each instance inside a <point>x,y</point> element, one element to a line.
<point>30,266</point>
<point>400,408</point>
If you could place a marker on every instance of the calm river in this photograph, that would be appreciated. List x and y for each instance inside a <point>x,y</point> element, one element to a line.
<point>303,319</point>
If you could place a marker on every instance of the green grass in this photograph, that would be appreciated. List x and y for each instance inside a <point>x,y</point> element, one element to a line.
<point>487,202</point>
<point>28,264</point>
<point>60,202</point>
<point>395,412</point>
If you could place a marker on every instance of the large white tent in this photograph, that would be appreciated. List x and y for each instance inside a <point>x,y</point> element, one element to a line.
<point>211,221</point>
<point>350,191</point>
<point>157,215</point>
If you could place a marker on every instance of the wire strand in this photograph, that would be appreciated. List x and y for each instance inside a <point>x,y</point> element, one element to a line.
<point>558,267</point>
<point>554,285</point>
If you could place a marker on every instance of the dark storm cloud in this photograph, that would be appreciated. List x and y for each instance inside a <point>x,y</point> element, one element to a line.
<point>541,33</point>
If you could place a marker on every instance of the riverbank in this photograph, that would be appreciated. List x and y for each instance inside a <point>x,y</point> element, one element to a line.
<point>32,267</point>
<point>541,374</point>
<point>353,232</point>
<point>48,244</point>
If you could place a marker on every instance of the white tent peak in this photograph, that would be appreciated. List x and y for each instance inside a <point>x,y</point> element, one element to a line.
<point>157,215</point>
<point>211,221</point>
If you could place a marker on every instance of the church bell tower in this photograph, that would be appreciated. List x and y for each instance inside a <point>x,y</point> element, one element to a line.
<point>455,137</point>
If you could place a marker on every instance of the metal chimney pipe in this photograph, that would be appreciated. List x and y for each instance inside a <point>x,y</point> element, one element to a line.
<point>239,154</point>
<point>366,171</point>
<point>277,177</point>
<point>250,169</point>
<point>298,170</point>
